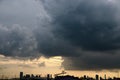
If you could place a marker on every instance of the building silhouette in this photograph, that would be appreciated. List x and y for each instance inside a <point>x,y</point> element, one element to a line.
<point>59,76</point>
<point>97,77</point>
<point>21,75</point>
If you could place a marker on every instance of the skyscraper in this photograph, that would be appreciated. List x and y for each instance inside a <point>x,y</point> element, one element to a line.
<point>97,77</point>
<point>21,75</point>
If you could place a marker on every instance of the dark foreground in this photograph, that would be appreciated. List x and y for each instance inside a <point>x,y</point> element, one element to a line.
<point>66,77</point>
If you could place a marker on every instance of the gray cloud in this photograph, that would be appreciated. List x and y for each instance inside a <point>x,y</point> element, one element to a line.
<point>17,41</point>
<point>92,61</point>
<point>18,19</point>
<point>90,27</point>
<point>22,12</point>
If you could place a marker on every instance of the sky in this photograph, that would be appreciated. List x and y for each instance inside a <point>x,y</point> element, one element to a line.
<point>81,35</point>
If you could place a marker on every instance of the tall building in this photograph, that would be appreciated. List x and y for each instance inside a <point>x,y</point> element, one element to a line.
<point>97,77</point>
<point>21,75</point>
<point>49,76</point>
<point>105,76</point>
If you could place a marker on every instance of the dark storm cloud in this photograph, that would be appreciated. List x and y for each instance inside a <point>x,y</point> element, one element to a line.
<point>90,28</point>
<point>90,25</point>
<point>93,61</point>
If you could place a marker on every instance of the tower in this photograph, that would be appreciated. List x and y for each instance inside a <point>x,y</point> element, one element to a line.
<point>97,77</point>
<point>21,75</point>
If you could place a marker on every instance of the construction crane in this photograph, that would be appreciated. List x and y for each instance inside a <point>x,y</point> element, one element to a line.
<point>62,73</point>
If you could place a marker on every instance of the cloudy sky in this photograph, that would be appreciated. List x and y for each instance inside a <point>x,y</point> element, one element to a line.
<point>82,35</point>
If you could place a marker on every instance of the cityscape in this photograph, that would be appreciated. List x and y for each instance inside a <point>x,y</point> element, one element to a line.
<point>59,76</point>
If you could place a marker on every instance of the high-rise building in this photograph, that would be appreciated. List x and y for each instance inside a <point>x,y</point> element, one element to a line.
<point>105,76</point>
<point>21,75</point>
<point>97,77</point>
<point>49,76</point>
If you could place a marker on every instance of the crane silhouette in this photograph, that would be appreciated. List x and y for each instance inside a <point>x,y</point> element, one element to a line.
<point>62,73</point>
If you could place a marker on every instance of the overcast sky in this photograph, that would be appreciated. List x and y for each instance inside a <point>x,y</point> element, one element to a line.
<point>86,33</point>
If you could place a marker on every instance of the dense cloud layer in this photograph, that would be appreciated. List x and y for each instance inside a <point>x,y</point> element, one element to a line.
<point>90,25</point>
<point>85,33</point>
<point>17,41</point>
<point>91,28</point>
<point>18,19</point>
